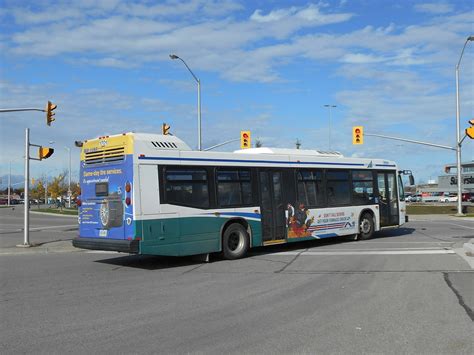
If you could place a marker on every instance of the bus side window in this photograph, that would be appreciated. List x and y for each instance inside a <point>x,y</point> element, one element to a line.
<point>338,187</point>
<point>234,187</point>
<point>362,187</point>
<point>187,187</point>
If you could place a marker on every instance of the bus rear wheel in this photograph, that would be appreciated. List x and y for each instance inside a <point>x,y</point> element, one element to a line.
<point>366,226</point>
<point>235,242</point>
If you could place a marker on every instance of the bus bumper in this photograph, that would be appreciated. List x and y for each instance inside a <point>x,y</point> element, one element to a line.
<point>123,246</point>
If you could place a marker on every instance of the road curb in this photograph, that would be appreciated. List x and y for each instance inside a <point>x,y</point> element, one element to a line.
<point>63,246</point>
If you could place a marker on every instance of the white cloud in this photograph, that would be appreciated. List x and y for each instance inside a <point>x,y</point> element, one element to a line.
<point>434,8</point>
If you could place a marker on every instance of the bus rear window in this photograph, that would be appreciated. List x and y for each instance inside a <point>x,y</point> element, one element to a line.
<point>102,189</point>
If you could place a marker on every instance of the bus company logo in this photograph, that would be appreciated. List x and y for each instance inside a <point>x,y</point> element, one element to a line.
<point>103,142</point>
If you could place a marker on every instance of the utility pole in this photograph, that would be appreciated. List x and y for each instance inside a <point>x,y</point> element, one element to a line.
<point>69,192</point>
<point>329,106</point>
<point>9,181</point>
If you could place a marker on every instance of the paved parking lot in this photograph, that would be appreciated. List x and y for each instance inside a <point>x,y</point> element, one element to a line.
<point>410,290</point>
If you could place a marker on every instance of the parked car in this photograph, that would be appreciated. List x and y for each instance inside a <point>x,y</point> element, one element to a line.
<point>467,197</point>
<point>414,198</point>
<point>449,198</point>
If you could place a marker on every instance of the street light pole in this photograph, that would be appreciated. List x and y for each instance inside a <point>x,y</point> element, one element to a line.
<point>9,181</point>
<point>69,192</point>
<point>458,134</point>
<point>330,119</point>
<point>174,56</point>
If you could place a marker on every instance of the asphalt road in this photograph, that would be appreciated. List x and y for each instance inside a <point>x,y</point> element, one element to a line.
<point>407,291</point>
<point>43,228</point>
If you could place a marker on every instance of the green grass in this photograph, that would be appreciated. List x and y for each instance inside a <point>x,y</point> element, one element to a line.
<point>65,211</point>
<point>436,209</point>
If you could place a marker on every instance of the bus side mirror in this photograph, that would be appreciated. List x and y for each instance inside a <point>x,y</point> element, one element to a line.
<point>411,179</point>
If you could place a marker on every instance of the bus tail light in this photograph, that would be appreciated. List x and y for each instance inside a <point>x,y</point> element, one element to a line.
<point>128,187</point>
<point>78,202</point>
<point>128,201</point>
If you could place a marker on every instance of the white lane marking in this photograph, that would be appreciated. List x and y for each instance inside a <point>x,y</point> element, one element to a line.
<point>399,242</point>
<point>375,249</point>
<point>368,252</point>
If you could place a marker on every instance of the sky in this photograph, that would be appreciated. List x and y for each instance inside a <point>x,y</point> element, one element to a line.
<point>264,66</point>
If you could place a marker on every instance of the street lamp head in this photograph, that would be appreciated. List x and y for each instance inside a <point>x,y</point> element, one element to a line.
<point>470,38</point>
<point>174,56</point>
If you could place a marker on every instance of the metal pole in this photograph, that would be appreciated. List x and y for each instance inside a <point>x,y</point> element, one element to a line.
<point>21,109</point>
<point>69,192</point>
<point>174,56</point>
<point>9,181</point>
<point>26,241</point>
<point>330,119</point>
<point>329,106</point>
<point>199,115</point>
<point>220,144</point>
<point>410,141</point>
<point>458,138</point>
<point>45,192</point>
<point>458,146</point>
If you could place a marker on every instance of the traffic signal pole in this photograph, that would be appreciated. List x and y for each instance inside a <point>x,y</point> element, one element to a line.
<point>26,234</point>
<point>50,107</point>
<point>411,141</point>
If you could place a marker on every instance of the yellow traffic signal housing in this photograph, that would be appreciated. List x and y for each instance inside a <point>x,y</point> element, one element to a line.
<point>358,135</point>
<point>470,130</point>
<point>50,107</point>
<point>165,129</point>
<point>45,152</point>
<point>245,139</point>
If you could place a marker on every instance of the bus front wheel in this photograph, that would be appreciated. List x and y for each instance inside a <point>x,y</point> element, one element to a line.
<point>366,226</point>
<point>235,242</point>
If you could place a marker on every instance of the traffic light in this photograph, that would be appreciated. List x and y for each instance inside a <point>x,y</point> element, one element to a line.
<point>50,107</point>
<point>165,129</point>
<point>45,152</point>
<point>244,139</point>
<point>358,135</point>
<point>470,130</point>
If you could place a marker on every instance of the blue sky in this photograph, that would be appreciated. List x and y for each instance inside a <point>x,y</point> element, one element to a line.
<point>266,66</point>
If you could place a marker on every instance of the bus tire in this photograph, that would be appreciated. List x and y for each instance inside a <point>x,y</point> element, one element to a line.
<point>366,226</point>
<point>235,242</point>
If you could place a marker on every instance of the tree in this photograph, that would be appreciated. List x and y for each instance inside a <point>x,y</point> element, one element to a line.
<point>258,143</point>
<point>37,190</point>
<point>58,188</point>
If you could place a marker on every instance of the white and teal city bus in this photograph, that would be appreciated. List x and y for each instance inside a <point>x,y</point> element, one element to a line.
<point>152,194</point>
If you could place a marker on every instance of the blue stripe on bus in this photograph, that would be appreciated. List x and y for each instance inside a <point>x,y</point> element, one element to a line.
<point>251,161</point>
<point>239,214</point>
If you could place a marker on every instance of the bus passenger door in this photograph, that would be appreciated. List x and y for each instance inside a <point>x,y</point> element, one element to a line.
<point>272,206</point>
<point>388,199</point>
